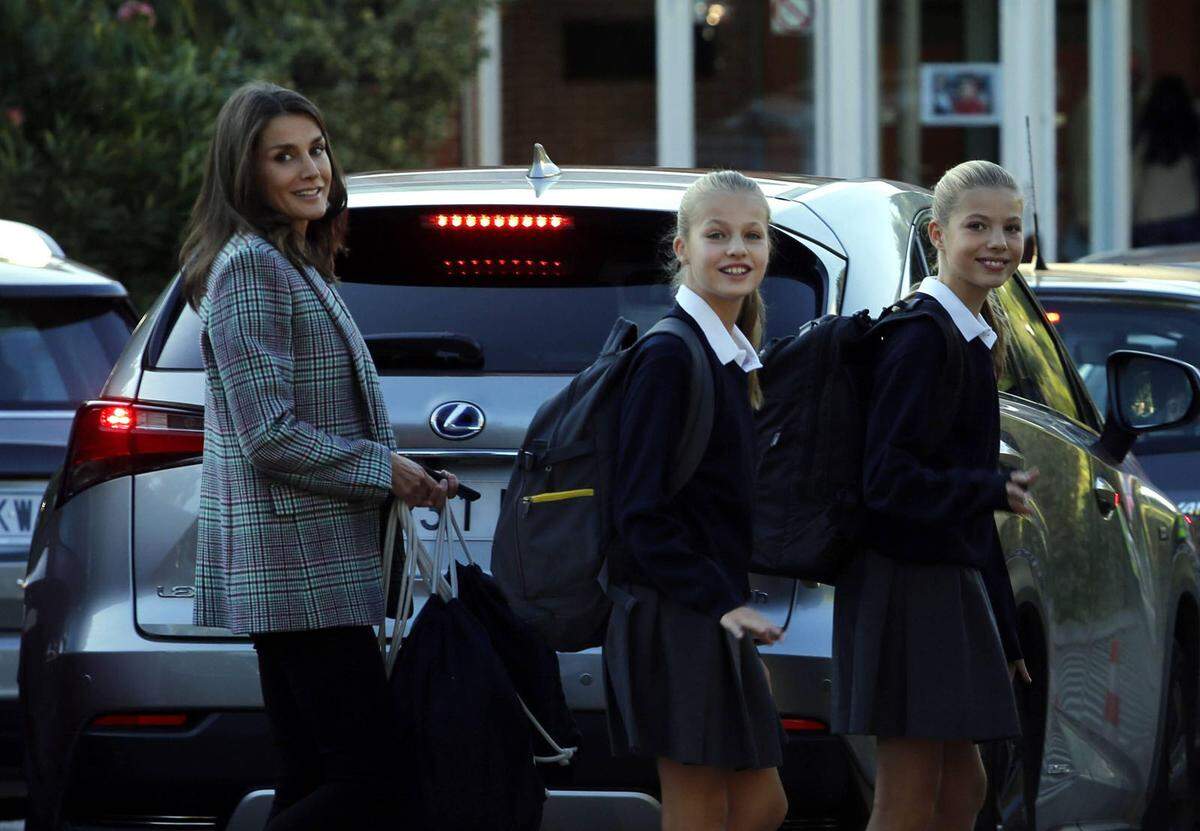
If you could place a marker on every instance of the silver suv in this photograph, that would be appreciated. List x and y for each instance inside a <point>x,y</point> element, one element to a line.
<point>479,293</point>
<point>62,326</point>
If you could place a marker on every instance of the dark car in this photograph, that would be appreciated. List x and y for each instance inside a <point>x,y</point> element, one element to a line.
<point>1098,308</point>
<point>480,293</point>
<point>62,327</point>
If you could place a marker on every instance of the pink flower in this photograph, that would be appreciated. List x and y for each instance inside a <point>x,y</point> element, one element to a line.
<point>15,116</point>
<point>132,9</point>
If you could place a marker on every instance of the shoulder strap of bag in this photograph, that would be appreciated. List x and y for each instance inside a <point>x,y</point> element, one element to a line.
<point>702,401</point>
<point>953,373</point>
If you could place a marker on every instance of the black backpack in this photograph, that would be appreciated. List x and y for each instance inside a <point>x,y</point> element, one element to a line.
<point>809,510</point>
<point>556,530</point>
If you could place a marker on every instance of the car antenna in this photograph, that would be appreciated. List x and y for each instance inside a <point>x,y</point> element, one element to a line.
<point>543,172</point>
<point>1039,264</point>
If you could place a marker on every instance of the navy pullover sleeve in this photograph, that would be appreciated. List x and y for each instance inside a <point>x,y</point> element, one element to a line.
<point>896,480</point>
<point>652,528</point>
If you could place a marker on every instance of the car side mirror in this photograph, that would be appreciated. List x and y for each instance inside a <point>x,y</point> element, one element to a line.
<point>1146,393</point>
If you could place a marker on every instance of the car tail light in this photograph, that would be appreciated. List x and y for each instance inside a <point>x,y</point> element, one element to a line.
<point>497,221</point>
<point>138,721</point>
<point>804,725</point>
<point>1053,317</point>
<point>507,266</point>
<point>120,438</point>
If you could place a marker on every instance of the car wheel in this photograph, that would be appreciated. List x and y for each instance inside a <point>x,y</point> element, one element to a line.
<point>1173,800</point>
<point>1014,766</point>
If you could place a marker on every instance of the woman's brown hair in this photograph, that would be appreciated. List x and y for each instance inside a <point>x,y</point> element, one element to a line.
<point>231,196</point>
<point>752,319</point>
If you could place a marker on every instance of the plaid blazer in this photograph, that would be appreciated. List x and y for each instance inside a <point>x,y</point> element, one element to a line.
<point>296,451</point>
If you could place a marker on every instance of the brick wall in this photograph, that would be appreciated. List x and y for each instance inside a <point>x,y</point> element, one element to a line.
<point>603,122</point>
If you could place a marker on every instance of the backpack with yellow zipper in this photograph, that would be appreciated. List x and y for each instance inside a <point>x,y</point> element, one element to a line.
<point>556,529</point>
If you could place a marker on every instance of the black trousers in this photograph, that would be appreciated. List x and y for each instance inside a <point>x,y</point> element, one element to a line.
<point>326,699</point>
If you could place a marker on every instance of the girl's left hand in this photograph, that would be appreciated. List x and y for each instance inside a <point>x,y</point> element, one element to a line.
<point>1017,668</point>
<point>744,621</point>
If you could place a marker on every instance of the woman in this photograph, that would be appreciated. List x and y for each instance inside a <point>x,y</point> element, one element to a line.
<point>684,682</point>
<point>297,456</point>
<point>925,641</point>
<point>1166,181</point>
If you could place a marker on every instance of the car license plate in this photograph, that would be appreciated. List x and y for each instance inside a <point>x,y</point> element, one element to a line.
<point>18,509</point>
<point>476,519</point>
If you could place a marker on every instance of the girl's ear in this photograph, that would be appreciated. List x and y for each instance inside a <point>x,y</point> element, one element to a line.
<point>679,245</point>
<point>936,235</point>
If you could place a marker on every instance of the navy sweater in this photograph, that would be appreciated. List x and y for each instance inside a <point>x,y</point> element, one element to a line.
<point>693,548</point>
<point>936,506</point>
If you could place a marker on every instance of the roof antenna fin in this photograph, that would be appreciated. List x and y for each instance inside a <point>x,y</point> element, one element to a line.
<point>1039,264</point>
<point>542,167</point>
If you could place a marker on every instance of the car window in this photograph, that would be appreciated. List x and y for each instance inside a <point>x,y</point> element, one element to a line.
<point>923,255</point>
<point>462,299</point>
<point>56,353</point>
<point>1094,327</point>
<point>1034,370</point>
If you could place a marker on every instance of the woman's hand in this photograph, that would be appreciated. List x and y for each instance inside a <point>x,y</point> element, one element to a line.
<point>1019,483</point>
<point>417,488</point>
<point>1017,668</point>
<point>744,621</point>
<point>445,477</point>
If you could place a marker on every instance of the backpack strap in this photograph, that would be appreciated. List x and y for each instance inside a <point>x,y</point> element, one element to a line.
<point>702,402</point>
<point>954,372</point>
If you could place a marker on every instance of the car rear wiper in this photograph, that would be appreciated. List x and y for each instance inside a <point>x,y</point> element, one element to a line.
<point>425,350</point>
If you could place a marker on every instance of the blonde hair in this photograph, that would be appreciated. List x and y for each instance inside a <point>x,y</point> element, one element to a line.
<point>752,318</point>
<point>947,194</point>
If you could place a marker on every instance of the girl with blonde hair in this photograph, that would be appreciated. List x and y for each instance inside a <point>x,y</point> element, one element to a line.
<point>925,638</point>
<point>683,678</point>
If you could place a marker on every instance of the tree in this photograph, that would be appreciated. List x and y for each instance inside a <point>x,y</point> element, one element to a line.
<point>108,108</point>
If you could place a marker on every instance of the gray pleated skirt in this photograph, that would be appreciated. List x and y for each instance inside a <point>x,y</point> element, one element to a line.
<point>916,653</point>
<point>679,686</point>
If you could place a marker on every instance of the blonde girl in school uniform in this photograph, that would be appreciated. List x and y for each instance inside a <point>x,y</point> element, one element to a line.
<point>683,679</point>
<point>925,640</point>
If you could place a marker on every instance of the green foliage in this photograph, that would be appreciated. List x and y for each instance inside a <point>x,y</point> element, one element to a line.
<point>106,108</point>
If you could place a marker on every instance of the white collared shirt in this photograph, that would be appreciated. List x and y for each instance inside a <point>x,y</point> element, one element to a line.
<point>969,324</point>
<point>728,346</point>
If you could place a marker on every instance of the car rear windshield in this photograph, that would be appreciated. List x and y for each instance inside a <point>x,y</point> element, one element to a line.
<point>437,291</point>
<point>57,352</point>
<point>1093,328</point>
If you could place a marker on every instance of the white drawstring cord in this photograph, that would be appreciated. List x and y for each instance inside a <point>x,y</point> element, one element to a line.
<point>416,558</point>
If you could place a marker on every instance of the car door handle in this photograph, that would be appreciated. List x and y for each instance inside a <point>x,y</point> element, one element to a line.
<point>1011,457</point>
<point>1107,497</point>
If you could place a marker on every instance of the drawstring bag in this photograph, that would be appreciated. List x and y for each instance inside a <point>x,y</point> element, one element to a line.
<point>465,735</point>
<point>532,665</point>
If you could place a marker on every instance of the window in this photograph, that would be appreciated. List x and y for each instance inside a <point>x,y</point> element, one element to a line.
<point>1034,370</point>
<point>579,78</point>
<point>521,301</point>
<point>1091,328</point>
<point>923,256</point>
<point>57,352</point>
<point>754,75</point>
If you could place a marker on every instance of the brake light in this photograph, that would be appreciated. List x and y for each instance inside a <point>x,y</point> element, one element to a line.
<point>491,221</point>
<point>503,267</point>
<point>804,725</point>
<point>116,438</point>
<point>126,721</point>
<point>1053,317</point>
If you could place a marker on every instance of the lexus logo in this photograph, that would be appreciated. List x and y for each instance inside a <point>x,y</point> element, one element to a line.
<point>457,420</point>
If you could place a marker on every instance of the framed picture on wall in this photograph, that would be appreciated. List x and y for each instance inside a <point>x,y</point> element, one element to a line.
<point>960,94</point>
